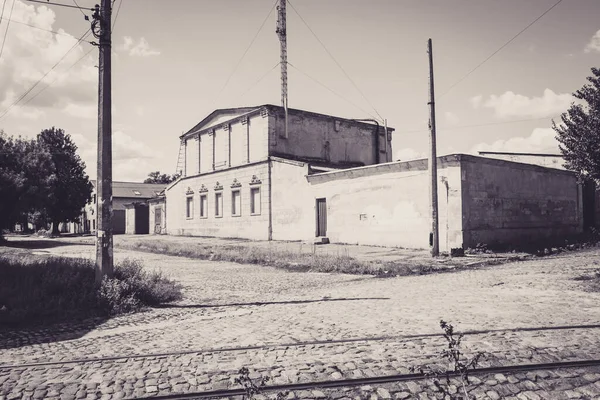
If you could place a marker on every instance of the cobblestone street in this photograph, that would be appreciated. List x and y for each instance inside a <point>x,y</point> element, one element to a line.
<point>303,327</point>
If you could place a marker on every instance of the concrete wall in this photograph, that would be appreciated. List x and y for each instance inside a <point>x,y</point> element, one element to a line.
<point>243,226</point>
<point>328,138</point>
<point>513,203</point>
<point>388,205</point>
<point>543,160</point>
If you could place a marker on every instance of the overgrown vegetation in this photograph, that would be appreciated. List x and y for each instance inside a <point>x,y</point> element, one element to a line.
<point>38,291</point>
<point>252,388</point>
<point>290,260</point>
<point>457,365</point>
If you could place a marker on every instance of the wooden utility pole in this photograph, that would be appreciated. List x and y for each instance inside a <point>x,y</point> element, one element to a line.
<point>282,33</point>
<point>434,235</point>
<point>104,233</point>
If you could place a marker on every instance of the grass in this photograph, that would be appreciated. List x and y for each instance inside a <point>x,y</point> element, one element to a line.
<point>288,259</point>
<point>38,291</point>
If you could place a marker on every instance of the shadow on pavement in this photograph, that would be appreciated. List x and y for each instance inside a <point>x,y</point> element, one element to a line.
<point>267,303</point>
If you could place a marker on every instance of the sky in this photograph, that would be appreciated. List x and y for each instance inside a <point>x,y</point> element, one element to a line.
<point>176,61</point>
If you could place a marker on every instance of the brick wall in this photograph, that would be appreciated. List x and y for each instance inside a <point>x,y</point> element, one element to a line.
<point>243,226</point>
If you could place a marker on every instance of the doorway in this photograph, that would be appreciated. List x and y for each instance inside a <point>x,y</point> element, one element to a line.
<point>321,217</point>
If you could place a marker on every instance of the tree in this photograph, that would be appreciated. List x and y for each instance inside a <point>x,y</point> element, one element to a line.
<point>71,188</point>
<point>579,131</point>
<point>157,177</point>
<point>26,173</point>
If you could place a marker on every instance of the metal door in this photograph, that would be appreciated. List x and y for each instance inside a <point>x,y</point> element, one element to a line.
<point>321,217</point>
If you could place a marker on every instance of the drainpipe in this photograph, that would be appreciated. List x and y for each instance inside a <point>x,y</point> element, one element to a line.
<point>376,136</point>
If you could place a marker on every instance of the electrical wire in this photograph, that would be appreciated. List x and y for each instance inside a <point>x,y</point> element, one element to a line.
<point>116,15</point>
<point>55,79</point>
<point>336,62</point>
<point>2,14</point>
<point>332,91</point>
<point>75,2</point>
<point>246,51</point>
<point>60,4</point>
<point>451,128</point>
<point>86,34</point>
<point>7,26</point>
<point>498,50</point>
<point>42,29</point>
<point>259,80</point>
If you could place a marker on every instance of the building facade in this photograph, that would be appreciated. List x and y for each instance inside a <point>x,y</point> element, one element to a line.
<point>334,178</point>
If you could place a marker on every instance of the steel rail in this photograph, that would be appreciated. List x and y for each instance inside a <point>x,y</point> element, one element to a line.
<point>330,384</point>
<point>292,344</point>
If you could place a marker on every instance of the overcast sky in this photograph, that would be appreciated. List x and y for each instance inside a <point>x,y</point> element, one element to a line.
<point>172,59</point>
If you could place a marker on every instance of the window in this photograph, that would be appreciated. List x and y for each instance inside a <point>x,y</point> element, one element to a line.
<point>93,224</point>
<point>255,201</point>
<point>137,193</point>
<point>189,207</point>
<point>203,206</point>
<point>218,204</point>
<point>236,203</point>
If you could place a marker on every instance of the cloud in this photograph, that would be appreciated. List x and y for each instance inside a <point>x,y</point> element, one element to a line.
<point>132,159</point>
<point>476,101</point>
<point>408,154</point>
<point>541,140</point>
<point>451,118</point>
<point>29,54</point>
<point>511,104</point>
<point>141,49</point>
<point>594,44</point>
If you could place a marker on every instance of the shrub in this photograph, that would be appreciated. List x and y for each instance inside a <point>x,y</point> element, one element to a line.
<point>36,290</point>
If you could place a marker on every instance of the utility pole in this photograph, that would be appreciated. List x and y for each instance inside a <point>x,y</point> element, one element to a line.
<point>434,240</point>
<point>104,235</point>
<point>282,33</point>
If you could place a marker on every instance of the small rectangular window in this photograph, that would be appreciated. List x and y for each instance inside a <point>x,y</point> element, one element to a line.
<point>189,207</point>
<point>218,204</point>
<point>203,206</point>
<point>236,203</point>
<point>255,201</point>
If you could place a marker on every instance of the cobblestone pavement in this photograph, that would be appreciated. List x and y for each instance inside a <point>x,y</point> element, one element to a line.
<point>274,312</point>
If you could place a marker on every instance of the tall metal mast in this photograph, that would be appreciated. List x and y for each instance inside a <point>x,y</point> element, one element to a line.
<point>282,33</point>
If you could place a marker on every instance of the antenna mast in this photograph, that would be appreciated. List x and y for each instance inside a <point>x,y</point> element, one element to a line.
<point>282,33</point>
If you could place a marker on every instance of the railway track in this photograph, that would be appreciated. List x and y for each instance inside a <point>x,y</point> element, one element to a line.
<point>377,380</point>
<point>289,345</point>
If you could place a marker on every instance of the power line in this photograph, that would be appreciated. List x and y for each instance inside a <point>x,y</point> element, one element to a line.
<point>60,4</point>
<point>2,14</point>
<point>259,80</point>
<point>331,90</point>
<point>75,2</point>
<point>7,26</point>
<point>481,125</point>
<point>246,51</point>
<point>116,14</point>
<point>499,49</point>
<point>42,29</point>
<point>334,60</point>
<point>46,74</point>
<point>55,79</point>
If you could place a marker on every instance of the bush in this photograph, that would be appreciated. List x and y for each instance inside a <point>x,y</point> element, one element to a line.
<point>133,287</point>
<point>37,290</point>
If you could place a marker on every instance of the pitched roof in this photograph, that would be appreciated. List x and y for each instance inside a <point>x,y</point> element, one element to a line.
<point>135,189</point>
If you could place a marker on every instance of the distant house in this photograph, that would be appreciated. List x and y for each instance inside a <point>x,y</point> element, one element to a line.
<point>129,199</point>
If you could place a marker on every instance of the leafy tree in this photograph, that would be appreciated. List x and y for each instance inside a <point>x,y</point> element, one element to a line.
<point>579,131</point>
<point>157,177</point>
<point>26,173</point>
<point>71,188</point>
